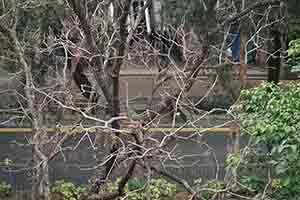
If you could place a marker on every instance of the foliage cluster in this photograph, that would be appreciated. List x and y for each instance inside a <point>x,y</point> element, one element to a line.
<point>44,17</point>
<point>271,163</point>
<point>294,55</point>
<point>5,189</point>
<point>294,19</point>
<point>189,11</point>
<point>160,189</point>
<point>213,189</point>
<point>67,190</point>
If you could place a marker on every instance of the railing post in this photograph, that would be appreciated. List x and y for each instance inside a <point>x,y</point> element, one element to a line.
<point>233,144</point>
<point>233,147</point>
<point>236,140</point>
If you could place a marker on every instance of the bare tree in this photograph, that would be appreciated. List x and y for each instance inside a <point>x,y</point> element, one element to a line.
<point>94,41</point>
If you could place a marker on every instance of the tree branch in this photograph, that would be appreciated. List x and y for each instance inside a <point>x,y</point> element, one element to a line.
<point>122,39</point>
<point>249,9</point>
<point>243,13</point>
<point>174,178</point>
<point>79,9</point>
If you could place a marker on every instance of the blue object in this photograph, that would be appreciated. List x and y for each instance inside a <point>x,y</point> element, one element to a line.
<point>234,45</point>
<point>8,124</point>
<point>235,48</point>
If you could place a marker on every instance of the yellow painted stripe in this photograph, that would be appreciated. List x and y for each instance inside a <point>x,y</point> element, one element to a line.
<point>15,130</point>
<point>29,130</point>
<point>189,130</point>
<point>152,130</point>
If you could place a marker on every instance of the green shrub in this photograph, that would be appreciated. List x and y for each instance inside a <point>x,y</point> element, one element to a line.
<point>210,189</point>
<point>160,189</point>
<point>294,55</point>
<point>5,189</point>
<point>67,190</point>
<point>135,184</point>
<point>270,117</point>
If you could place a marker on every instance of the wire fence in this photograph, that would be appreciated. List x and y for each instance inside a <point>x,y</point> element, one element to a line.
<point>198,160</point>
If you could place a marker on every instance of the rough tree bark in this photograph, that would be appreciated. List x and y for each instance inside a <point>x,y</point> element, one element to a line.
<point>40,178</point>
<point>277,36</point>
<point>107,72</point>
<point>284,38</point>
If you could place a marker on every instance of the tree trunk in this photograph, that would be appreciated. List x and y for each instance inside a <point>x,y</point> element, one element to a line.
<point>274,62</point>
<point>40,182</point>
<point>243,49</point>
<point>115,111</point>
<point>40,178</point>
<point>283,38</point>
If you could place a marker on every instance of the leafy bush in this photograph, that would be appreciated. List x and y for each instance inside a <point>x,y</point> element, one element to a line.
<point>271,118</point>
<point>293,19</point>
<point>135,184</point>
<point>5,189</point>
<point>189,11</point>
<point>294,55</point>
<point>67,190</point>
<point>160,189</point>
<point>212,189</point>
